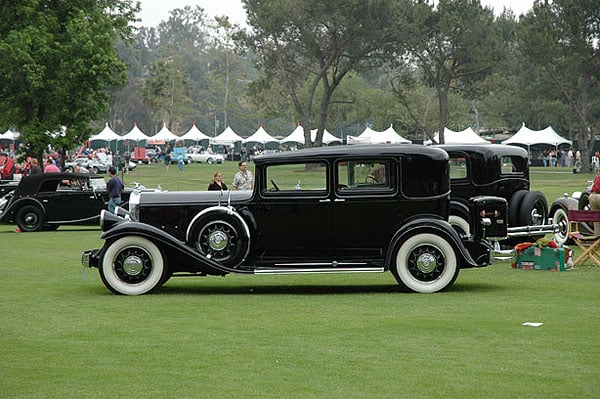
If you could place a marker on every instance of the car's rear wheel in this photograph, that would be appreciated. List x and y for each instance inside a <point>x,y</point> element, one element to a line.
<point>534,209</point>
<point>30,218</point>
<point>220,237</point>
<point>133,265</point>
<point>210,161</point>
<point>425,263</point>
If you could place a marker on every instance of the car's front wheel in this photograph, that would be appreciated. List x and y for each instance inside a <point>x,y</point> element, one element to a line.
<point>561,218</point>
<point>425,263</point>
<point>30,218</point>
<point>133,265</point>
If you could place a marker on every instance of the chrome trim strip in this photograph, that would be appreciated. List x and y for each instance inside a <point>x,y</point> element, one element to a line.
<point>329,264</point>
<point>335,270</point>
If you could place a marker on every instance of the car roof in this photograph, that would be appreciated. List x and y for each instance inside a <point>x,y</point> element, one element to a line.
<point>341,151</point>
<point>31,183</point>
<point>486,149</point>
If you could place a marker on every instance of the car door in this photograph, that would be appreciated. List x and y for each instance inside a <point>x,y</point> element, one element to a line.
<point>73,201</point>
<point>366,209</point>
<point>294,215</point>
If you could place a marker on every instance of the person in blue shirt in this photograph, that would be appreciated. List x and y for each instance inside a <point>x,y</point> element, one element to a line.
<point>115,188</point>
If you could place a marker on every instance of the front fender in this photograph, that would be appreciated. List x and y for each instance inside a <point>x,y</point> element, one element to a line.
<point>444,229</point>
<point>163,239</point>
<point>12,207</point>
<point>565,203</point>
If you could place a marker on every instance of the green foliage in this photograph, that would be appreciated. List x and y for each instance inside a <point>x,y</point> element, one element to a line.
<point>56,64</point>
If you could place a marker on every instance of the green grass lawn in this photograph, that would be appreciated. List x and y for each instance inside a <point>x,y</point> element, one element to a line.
<point>334,336</point>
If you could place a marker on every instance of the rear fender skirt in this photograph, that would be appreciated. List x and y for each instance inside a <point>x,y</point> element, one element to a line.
<point>436,226</point>
<point>164,239</point>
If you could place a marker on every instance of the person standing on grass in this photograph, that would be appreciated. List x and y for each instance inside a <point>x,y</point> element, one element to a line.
<point>595,199</point>
<point>115,189</point>
<point>243,180</point>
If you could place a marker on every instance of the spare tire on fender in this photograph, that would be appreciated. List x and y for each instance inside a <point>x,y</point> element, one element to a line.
<point>221,235</point>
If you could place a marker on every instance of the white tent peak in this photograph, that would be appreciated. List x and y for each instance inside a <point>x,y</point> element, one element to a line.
<point>260,136</point>
<point>370,136</point>
<point>228,137</point>
<point>528,137</point>
<point>195,134</point>
<point>107,134</point>
<point>467,136</point>
<point>165,134</point>
<point>298,136</point>
<point>135,134</point>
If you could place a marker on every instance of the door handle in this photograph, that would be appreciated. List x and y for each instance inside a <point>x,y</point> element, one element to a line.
<point>339,200</point>
<point>324,200</point>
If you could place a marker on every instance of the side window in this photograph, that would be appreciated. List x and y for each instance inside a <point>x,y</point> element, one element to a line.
<point>509,164</point>
<point>356,175</point>
<point>301,177</point>
<point>458,168</point>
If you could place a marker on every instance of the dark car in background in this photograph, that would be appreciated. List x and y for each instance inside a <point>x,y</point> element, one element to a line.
<point>358,209</point>
<point>46,201</point>
<point>498,170</point>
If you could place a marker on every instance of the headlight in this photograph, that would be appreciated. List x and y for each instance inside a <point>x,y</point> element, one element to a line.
<point>134,205</point>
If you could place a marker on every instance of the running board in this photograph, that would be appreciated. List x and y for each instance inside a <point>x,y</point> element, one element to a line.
<point>328,270</point>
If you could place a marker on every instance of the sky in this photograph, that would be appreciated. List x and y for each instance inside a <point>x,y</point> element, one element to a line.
<point>154,11</point>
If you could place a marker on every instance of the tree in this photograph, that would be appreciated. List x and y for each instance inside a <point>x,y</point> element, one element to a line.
<point>562,38</point>
<point>454,45</point>
<point>57,62</point>
<point>310,46</point>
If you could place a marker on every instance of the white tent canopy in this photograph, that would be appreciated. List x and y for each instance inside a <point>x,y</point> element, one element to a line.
<point>228,137</point>
<point>135,134</point>
<point>260,136</point>
<point>9,135</point>
<point>298,136</point>
<point>107,134</point>
<point>195,134</point>
<point>528,137</point>
<point>370,136</point>
<point>467,136</point>
<point>165,134</point>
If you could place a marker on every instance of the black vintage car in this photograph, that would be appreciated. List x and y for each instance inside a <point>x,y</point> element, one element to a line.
<point>352,209</point>
<point>498,170</point>
<point>47,200</point>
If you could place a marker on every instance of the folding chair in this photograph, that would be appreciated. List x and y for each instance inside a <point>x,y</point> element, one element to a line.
<point>590,245</point>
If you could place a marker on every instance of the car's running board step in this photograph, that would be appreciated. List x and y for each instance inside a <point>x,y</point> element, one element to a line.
<point>328,270</point>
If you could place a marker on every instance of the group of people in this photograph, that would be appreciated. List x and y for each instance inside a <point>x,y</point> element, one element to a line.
<point>243,179</point>
<point>560,157</point>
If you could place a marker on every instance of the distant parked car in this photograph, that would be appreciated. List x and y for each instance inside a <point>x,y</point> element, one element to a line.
<point>92,165</point>
<point>46,201</point>
<point>205,157</point>
<point>578,200</point>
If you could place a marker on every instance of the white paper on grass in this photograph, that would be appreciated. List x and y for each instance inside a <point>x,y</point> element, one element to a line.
<point>532,324</point>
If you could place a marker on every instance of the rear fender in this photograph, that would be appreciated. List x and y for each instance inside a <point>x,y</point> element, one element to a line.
<point>444,229</point>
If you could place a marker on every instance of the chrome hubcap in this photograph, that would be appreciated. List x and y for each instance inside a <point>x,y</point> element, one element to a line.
<point>133,265</point>
<point>426,263</point>
<point>218,240</point>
